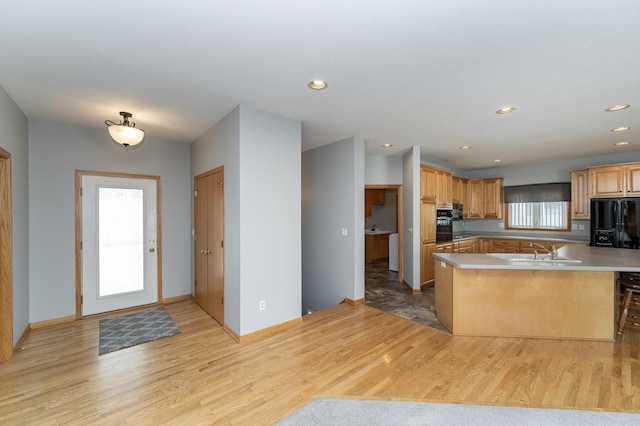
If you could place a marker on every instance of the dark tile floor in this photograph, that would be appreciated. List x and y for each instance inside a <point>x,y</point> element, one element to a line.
<point>383,291</point>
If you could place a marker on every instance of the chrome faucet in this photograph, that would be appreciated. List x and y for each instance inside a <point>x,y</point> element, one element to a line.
<point>374,227</point>
<point>553,252</point>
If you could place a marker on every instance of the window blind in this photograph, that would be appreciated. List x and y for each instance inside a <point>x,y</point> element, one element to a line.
<point>543,192</point>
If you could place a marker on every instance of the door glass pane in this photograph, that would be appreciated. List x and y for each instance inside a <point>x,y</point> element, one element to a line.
<point>121,241</point>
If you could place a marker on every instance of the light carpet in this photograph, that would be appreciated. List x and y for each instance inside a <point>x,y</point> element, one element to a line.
<point>350,412</point>
<point>133,329</point>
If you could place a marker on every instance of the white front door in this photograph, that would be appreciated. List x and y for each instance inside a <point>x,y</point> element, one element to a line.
<point>119,243</point>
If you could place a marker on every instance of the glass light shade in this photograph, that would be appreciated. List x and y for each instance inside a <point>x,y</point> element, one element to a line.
<point>126,135</point>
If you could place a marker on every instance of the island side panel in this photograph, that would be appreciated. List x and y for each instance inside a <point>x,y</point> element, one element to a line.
<point>534,303</point>
<point>444,293</point>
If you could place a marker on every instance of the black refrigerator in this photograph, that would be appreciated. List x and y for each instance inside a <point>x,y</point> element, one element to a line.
<point>615,222</point>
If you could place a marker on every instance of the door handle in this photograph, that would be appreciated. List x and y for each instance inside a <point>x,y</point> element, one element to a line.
<point>152,249</point>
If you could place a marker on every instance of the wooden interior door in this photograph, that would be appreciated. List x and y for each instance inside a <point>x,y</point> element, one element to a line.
<point>209,242</point>
<point>6,259</point>
<point>200,243</point>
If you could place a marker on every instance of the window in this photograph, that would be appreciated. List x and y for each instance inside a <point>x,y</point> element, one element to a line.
<point>538,215</point>
<point>538,207</point>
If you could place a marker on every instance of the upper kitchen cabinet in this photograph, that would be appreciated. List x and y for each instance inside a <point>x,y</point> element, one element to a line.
<point>428,183</point>
<point>371,197</point>
<point>443,189</point>
<point>580,206</point>
<point>459,190</point>
<point>485,198</point>
<point>435,185</point>
<point>618,180</point>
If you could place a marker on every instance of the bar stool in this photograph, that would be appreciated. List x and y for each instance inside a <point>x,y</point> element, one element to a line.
<point>630,282</point>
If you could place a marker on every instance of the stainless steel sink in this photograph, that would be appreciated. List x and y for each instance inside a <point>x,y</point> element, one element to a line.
<point>530,258</point>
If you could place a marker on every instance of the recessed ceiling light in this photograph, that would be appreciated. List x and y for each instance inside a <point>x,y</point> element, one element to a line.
<point>617,107</point>
<point>622,143</point>
<point>465,147</point>
<point>497,160</point>
<point>506,110</point>
<point>387,145</point>
<point>620,129</point>
<point>317,84</point>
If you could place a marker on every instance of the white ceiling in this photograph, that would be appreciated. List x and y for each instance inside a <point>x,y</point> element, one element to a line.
<point>405,72</point>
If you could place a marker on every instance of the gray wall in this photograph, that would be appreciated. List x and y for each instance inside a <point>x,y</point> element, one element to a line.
<point>260,152</point>
<point>411,217</point>
<point>332,200</point>
<point>14,139</point>
<point>55,152</point>
<point>220,146</point>
<point>384,216</point>
<point>383,170</point>
<point>551,171</point>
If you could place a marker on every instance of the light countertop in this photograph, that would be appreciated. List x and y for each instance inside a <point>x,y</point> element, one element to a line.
<point>591,259</point>
<point>377,232</point>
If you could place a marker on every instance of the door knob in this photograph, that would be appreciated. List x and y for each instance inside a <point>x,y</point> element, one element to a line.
<point>152,249</point>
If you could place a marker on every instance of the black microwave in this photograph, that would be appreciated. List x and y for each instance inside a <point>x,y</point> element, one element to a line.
<point>457,212</point>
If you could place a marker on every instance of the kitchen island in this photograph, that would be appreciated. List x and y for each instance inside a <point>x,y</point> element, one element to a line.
<point>515,295</point>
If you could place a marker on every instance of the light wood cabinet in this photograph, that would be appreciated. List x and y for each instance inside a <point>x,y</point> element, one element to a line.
<point>459,190</point>
<point>580,205</point>
<point>618,180</point>
<point>475,205</point>
<point>428,186</point>
<point>376,247</point>
<point>444,248</point>
<point>485,198</point>
<point>493,196</point>
<point>209,242</point>
<point>443,189</point>
<point>428,240</point>
<point>373,197</point>
<point>505,246</point>
<point>632,179</point>
<point>465,246</point>
<point>427,272</point>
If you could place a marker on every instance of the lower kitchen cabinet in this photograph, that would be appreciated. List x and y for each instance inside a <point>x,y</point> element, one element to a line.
<point>376,247</point>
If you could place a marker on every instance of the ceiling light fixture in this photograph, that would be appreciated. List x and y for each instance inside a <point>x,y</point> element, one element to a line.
<point>506,110</point>
<point>622,143</point>
<point>497,160</point>
<point>617,107</point>
<point>317,84</point>
<point>465,147</point>
<point>387,145</point>
<point>620,129</point>
<point>125,133</point>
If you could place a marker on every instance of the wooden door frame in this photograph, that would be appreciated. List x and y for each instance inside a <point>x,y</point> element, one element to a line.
<point>79,174</point>
<point>6,258</point>
<point>398,221</point>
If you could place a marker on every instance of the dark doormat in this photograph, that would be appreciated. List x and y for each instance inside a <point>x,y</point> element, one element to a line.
<point>132,329</point>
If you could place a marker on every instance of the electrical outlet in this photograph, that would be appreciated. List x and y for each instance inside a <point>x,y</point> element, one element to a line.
<point>262,305</point>
<point>581,227</point>
<point>345,232</point>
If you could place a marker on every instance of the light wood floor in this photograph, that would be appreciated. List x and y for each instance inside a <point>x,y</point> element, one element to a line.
<point>202,376</point>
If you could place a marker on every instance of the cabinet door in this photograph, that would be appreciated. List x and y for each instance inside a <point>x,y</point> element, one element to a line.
<point>444,248</point>
<point>506,246</point>
<point>633,180</point>
<point>606,181</point>
<point>427,183</point>
<point>580,206</point>
<point>428,222</point>
<point>476,199</point>
<point>443,189</point>
<point>426,263</point>
<point>493,198</point>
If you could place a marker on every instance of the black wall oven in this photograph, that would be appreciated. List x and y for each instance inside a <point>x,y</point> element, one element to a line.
<point>444,225</point>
